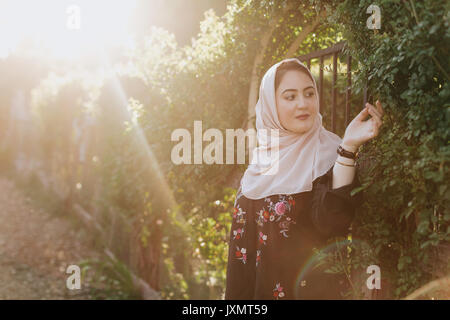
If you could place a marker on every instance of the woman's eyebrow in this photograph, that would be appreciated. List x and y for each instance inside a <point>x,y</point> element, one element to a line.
<point>309,87</point>
<point>289,90</point>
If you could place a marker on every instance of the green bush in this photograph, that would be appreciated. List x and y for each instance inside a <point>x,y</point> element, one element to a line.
<point>405,219</point>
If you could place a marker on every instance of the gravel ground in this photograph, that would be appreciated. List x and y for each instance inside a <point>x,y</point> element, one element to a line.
<point>36,247</point>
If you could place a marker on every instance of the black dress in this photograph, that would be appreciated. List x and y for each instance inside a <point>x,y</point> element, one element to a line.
<point>272,239</point>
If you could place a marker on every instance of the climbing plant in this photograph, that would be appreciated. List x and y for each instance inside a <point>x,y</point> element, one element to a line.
<point>404,225</point>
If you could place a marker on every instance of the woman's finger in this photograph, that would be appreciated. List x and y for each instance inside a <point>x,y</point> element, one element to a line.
<point>375,128</point>
<point>362,114</point>
<point>374,110</point>
<point>370,106</point>
<point>380,107</point>
<point>375,116</point>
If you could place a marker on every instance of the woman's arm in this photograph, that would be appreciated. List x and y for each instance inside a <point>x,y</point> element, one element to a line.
<point>333,209</point>
<point>357,133</point>
<point>342,174</point>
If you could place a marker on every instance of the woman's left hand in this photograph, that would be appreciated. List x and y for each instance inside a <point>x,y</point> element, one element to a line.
<point>360,130</point>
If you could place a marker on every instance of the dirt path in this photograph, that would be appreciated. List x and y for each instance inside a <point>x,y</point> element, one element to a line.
<point>36,248</point>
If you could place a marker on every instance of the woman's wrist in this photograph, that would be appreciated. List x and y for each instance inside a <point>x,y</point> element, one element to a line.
<point>349,147</point>
<point>343,172</point>
<point>345,161</point>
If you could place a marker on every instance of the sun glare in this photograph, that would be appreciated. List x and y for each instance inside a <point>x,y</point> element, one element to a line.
<point>67,29</point>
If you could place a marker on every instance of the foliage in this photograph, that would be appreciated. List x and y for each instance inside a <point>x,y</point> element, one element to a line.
<point>110,279</point>
<point>405,218</point>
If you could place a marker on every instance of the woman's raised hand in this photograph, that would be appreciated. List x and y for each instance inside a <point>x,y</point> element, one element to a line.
<point>361,130</point>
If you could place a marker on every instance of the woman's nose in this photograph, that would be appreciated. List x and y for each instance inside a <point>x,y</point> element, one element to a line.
<point>301,103</point>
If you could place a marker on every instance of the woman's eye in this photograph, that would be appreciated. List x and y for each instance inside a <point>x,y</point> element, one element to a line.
<point>310,94</point>
<point>290,98</point>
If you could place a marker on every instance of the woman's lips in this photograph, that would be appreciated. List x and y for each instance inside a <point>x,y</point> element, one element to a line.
<point>303,117</point>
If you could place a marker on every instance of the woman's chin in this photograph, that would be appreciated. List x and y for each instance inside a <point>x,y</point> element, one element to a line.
<point>303,127</point>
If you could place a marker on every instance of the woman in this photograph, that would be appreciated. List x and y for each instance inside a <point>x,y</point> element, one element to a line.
<point>279,218</point>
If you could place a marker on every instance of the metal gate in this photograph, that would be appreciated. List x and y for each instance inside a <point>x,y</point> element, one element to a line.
<point>321,55</point>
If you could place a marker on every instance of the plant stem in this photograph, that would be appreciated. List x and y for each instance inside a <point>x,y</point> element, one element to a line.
<point>414,11</point>
<point>345,267</point>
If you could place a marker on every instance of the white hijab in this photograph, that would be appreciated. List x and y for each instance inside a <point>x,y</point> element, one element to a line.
<point>302,157</point>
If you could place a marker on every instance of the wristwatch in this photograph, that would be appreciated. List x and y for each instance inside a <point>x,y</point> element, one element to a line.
<point>345,153</point>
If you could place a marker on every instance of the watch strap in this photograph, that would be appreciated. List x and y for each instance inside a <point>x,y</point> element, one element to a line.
<point>345,153</point>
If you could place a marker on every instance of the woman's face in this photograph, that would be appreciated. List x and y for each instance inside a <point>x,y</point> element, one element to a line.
<point>296,97</point>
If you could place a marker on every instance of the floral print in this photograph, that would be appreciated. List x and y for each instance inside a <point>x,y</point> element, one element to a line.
<point>263,216</point>
<point>275,212</point>
<point>238,233</point>
<point>284,226</point>
<point>241,254</point>
<point>258,257</point>
<point>238,214</point>
<point>278,291</point>
<point>262,238</point>
<point>276,209</point>
<point>280,208</point>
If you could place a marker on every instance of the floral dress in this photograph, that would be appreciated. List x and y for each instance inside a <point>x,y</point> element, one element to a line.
<point>271,242</point>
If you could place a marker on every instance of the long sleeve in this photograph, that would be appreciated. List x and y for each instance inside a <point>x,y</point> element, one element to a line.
<point>333,210</point>
<point>240,283</point>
